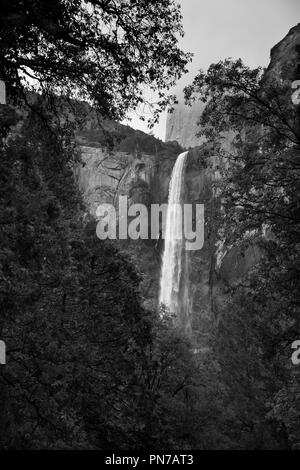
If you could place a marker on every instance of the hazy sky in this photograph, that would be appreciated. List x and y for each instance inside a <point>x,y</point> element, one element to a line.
<point>215,29</point>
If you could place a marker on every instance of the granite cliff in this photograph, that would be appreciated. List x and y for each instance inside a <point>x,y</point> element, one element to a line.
<point>182,123</point>
<point>140,166</point>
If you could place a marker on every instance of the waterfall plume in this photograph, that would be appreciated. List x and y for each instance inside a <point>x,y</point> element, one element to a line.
<point>171,270</point>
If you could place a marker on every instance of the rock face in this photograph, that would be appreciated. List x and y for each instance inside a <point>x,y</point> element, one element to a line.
<point>182,124</point>
<point>140,166</point>
<point>104,175</point>
<point>285,57</point>
<point>134,159</point>
<point>136,165</point>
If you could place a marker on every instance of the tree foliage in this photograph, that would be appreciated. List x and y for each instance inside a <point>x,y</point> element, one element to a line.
<point>88,367</point>
<point>105,51</point>
<point>253,130</point>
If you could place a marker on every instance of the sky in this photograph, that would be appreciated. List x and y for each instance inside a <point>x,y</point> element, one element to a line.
<point>216,29</point>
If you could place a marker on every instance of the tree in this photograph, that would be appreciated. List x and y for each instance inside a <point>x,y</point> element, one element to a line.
<point>70,310</point>
<point>88,367</point>
<point>105,51</point>
<point>259,194</point>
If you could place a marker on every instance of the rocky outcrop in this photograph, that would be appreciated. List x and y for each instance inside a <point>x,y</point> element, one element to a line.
<point>104,175</point>
<point>182,123</point>
<point>115,157</point>
<point>285,57</point>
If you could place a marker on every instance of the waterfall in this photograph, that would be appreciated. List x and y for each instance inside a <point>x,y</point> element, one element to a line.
<point>172,257</point>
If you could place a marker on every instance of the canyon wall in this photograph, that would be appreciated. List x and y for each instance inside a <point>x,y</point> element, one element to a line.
<point>137,165</point>
<point>182,123</point>
<point>140,166</point>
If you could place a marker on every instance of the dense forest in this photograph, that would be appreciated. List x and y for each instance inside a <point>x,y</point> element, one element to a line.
<point>88,365</point>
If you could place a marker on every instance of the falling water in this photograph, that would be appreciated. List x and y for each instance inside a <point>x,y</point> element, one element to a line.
<point>172,257</point>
